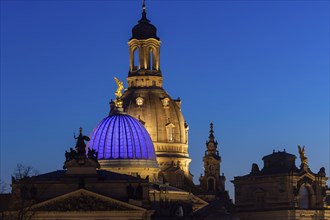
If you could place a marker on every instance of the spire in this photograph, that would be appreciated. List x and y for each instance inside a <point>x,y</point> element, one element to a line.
<point>211,136</point>
<point>144,18</point>
<point>211,144</point>
<point>144,6</point>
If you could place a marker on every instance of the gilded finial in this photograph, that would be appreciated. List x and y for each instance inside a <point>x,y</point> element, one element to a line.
<point>303,157</point>
<point>119,93</point>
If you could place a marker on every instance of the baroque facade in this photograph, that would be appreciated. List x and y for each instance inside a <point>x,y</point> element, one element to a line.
<point>280,190</point>
<point>136,164</point>
<point>84,191</point>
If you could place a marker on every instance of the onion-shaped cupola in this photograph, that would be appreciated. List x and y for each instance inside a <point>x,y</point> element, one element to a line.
<point>144,29</point>
<point>144,48</point>
<point>123,144</point>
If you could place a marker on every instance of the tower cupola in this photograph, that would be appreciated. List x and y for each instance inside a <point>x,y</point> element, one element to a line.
<point>144,52</point>
<point>144,29</point>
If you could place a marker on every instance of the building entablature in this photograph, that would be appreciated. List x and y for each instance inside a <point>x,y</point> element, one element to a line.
<point>145,80</point>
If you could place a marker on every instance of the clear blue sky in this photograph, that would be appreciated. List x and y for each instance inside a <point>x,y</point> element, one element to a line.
<point>259,70</point>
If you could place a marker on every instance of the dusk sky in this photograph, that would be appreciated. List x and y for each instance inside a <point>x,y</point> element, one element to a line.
<point>259,70</point>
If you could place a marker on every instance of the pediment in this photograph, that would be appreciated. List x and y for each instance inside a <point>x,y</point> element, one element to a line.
<point>259,191</point>
<point>84,200</point>
<point>198,203</point>
<point>170,125</point>
<point>306,178</point>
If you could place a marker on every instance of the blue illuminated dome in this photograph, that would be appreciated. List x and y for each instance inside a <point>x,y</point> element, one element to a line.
<point>119,137</point>
<point>124,146</point>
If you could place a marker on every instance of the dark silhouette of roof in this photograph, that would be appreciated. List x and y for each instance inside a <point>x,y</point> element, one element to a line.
<point>279,162</point>
<point>101,174</point>
<point>144,29</point>
<point>218,209</point>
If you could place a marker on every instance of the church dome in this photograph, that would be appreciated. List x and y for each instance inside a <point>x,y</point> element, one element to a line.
<point>120,136</point>
<point>158,111</point>
<point>124,146</point>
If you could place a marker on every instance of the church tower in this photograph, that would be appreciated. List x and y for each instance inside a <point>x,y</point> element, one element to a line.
<point>146,100</point>
<point>211,181</point>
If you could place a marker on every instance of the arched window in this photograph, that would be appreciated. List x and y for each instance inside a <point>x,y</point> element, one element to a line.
<point>303,197</point>
<point>136,62</point>
<point>169,131</point>
<point>260,195</point>
<point>151,59</point>
<point>210,184</point>
<point>179,211</point>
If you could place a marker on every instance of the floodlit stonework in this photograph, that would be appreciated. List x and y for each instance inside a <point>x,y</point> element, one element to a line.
<point>280,190</point>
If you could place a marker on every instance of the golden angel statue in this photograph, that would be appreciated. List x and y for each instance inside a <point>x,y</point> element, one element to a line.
<point>118,92</point>
<point>303,157</point>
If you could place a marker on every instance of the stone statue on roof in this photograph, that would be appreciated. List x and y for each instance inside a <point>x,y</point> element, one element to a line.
<point>119,93</point>
<point>80,145</point>
<point>303,157</point>
<point>120,86</point>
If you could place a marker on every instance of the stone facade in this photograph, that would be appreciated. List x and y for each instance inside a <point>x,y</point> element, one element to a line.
<point>280,190</point>
<point>83,191</point>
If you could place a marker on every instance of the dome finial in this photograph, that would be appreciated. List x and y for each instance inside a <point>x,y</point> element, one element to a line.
<point>144,5</point>
<point>144,18</point>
